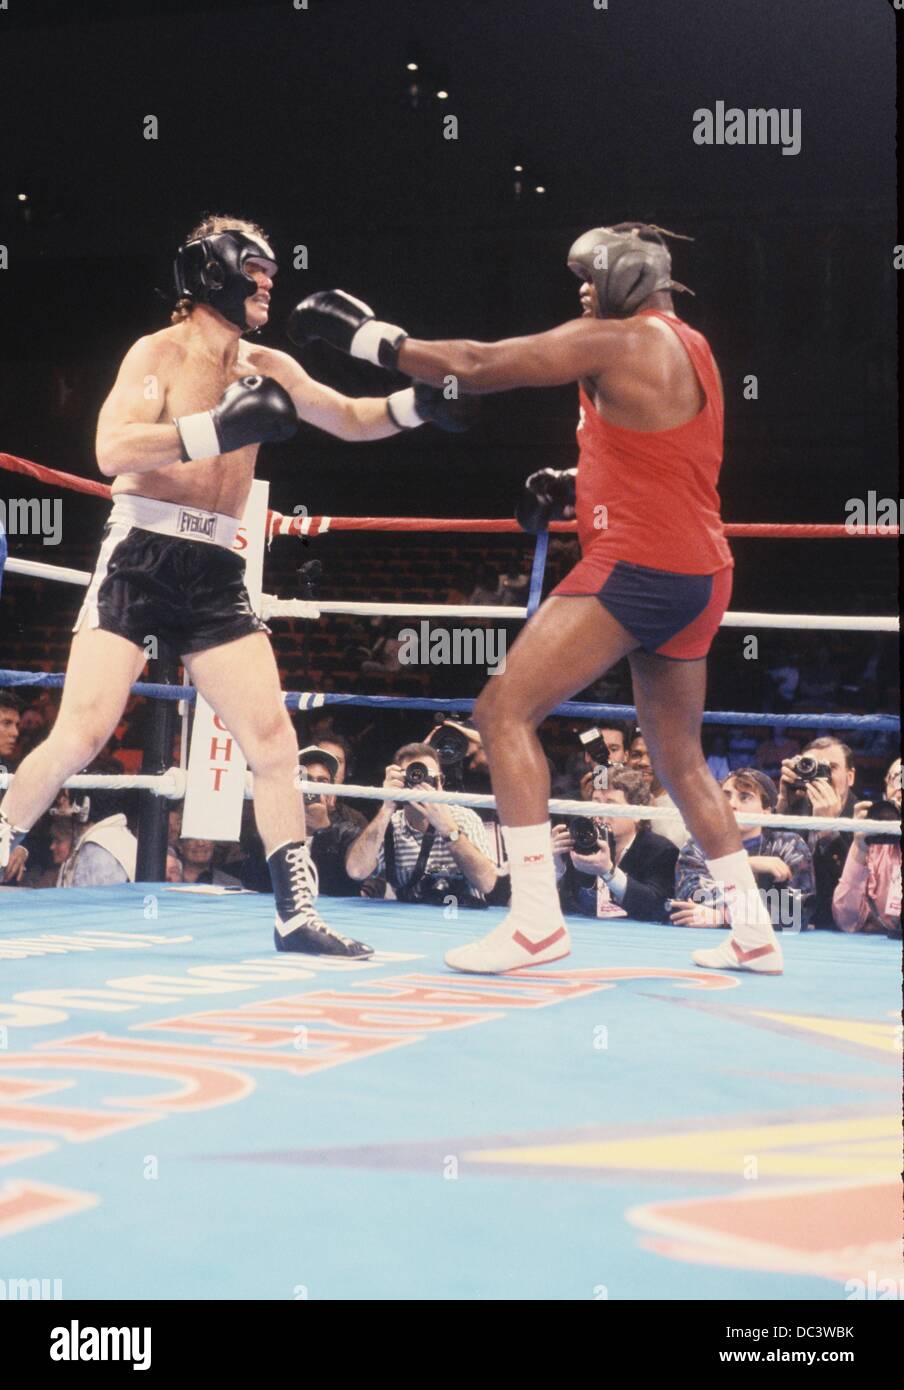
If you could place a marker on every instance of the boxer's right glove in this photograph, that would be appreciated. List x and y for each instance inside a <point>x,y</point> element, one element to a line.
<point>547,495</point>
<point>255,410</point>
<point>421,404</point>
<point>347,324</point>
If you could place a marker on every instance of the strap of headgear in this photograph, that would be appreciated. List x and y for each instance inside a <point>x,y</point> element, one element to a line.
<point>626,264</point>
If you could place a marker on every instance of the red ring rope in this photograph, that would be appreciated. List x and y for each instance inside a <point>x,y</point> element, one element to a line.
<point>281,525</point>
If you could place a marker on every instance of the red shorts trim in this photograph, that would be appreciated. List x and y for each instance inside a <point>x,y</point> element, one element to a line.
<point>695,640</point>
<point>670,614</point>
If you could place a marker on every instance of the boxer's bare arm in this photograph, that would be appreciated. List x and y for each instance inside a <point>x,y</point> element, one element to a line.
<point>131,437</point>
<point>578,349</point>
<point>353,418</point>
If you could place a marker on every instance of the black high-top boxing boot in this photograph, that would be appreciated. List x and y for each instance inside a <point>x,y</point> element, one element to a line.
<point>298,927</point>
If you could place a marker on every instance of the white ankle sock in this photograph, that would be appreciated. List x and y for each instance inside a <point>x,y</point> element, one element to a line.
<point>750,922</point>
<point>535,901</point>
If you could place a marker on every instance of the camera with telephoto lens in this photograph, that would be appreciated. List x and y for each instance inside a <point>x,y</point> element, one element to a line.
<point>883,810</point>
<point>587,836</point>
<point>416,774</point>
<point>584,834</point>
<point>451,747</point>
<point>436,890</point>
<point>808,769</point>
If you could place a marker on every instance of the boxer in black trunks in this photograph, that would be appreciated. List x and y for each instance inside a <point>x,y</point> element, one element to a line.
<point>179,435</point>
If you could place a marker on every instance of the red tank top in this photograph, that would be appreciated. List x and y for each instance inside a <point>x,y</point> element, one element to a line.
<point>658,487</point>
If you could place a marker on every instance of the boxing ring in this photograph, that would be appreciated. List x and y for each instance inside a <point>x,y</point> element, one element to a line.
<point>184,1113</point>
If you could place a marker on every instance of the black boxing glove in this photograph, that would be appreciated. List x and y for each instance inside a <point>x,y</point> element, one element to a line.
<point>547,494</point>
<point>347,324</point>
<point>421,404</point>
<point>255,410</point>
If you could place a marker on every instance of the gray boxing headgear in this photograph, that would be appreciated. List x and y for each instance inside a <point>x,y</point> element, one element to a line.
<point>626,264</point>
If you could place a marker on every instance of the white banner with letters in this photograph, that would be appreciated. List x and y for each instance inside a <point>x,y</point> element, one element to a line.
<point>215,786</point>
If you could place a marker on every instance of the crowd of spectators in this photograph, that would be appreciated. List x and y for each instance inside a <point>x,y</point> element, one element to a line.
<point>612,866</point>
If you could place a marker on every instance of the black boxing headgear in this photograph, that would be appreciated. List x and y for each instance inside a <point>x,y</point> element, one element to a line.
<point>626,264</point>
<point>211,270</point>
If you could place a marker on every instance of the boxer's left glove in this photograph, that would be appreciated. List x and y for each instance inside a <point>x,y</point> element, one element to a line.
<point>347,324</point>
<point>548,495</point>
<point>255,410</point>
<point>421,404</point>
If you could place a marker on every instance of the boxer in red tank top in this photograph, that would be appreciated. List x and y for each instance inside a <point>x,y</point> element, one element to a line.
<point>652,584</point>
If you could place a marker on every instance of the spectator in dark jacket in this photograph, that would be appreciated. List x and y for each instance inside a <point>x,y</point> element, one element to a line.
<point>328,835</point>
<point>339,807</point>
<point>630,874</point>
<point>10,714</point>
<point>780,859</point>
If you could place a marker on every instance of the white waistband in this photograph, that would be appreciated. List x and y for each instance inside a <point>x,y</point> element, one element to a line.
<point>173,519</point>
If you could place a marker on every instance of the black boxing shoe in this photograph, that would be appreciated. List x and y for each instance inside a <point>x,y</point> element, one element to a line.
<point>298,927</point>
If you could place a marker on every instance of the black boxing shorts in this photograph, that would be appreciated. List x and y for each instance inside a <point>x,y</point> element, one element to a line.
<point>169,572</point>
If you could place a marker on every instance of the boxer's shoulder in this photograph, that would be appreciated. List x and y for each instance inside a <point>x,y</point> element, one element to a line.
<point>164,346</point>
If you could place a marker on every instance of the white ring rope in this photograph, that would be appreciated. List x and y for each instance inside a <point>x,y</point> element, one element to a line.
<point>289,608</point>
<point>171,784</point>
<point>274,607</point>
<point>37,570</point>
<point>596,808</point>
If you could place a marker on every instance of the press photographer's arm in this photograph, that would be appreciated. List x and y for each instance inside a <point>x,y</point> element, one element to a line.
<point>363,853</point>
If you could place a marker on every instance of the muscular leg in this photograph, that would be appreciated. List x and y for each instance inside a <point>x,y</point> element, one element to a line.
<point>101,670</point>
<point>670,697</point>
<point>241,682</point>
<point>566,645</point>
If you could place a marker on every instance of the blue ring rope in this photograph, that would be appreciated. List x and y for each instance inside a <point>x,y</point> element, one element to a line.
<point>307,700</point>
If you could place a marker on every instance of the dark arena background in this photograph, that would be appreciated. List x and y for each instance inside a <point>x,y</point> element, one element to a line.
<point>619,1126</point>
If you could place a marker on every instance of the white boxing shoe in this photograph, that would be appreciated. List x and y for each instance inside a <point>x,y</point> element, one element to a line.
<point>760,960</point>
<point>508,948</point>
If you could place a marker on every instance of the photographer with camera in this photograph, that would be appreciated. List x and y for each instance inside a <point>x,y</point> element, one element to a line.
<point>428,852</point>
<point>464,767</point>
<point>819,782</point>
<point>867,897</point>
<point>780,860</point>
<point>614,866</point>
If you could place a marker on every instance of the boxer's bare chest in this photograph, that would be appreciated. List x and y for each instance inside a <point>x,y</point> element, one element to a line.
<point>196,382</point>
